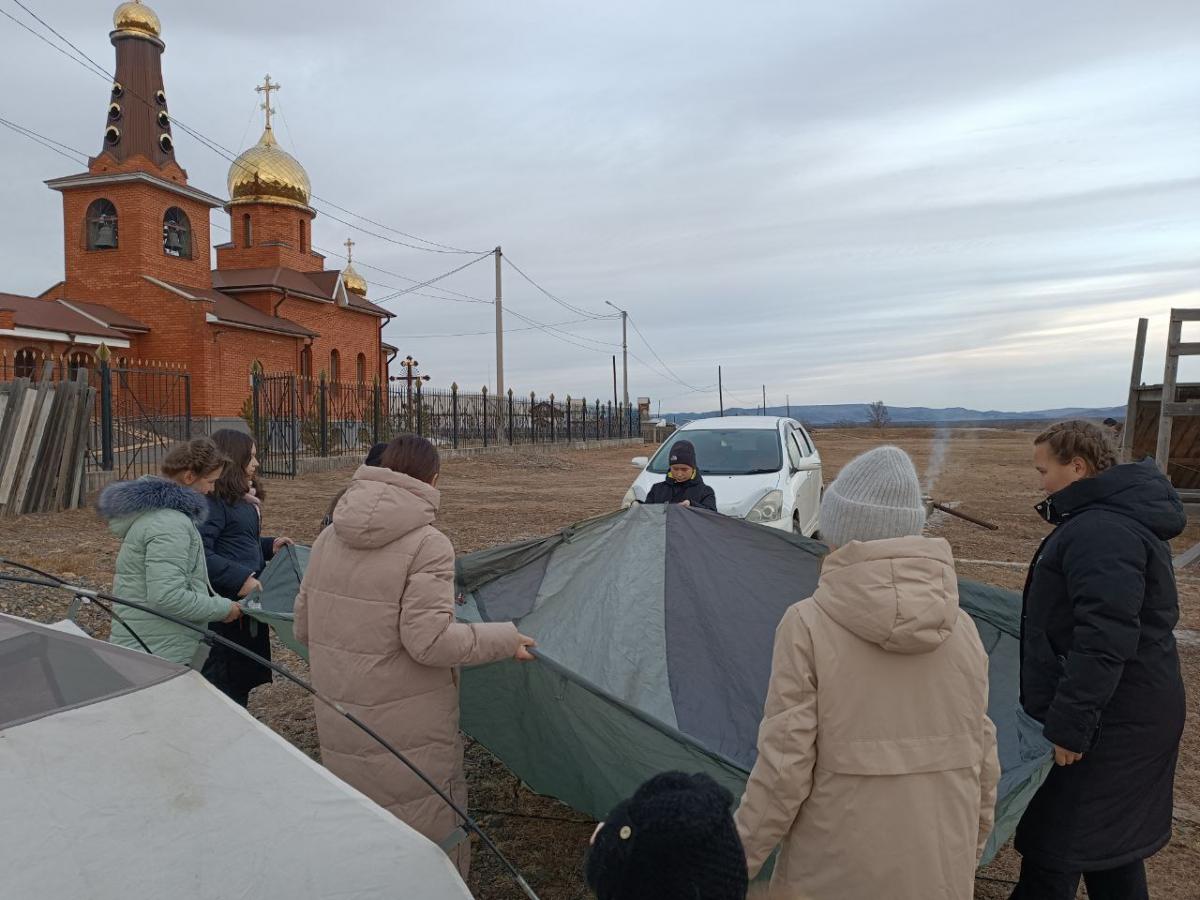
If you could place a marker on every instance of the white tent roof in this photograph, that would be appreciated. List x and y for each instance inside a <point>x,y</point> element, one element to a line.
<point>172,790</point>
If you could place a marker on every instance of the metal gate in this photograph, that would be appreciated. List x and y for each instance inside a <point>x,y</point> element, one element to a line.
<point>276,423</point>
<point>141,413</point>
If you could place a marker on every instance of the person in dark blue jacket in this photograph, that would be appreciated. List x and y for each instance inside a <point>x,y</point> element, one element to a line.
<point>236,553</point>
<point>683,484</point>
<point>1100,669</point>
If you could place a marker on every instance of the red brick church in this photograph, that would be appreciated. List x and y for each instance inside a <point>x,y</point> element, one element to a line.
<point>138,274</point>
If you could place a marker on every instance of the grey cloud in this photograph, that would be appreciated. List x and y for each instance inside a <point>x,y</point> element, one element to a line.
<point>839,200</point>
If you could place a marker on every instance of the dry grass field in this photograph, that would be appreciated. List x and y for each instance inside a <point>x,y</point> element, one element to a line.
<point>497,499</point>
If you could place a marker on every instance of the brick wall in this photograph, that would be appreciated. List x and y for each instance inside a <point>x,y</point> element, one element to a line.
<point>341,329</point>
<point>113,277</point>
<point>236,351</point>
<point>274,239</point>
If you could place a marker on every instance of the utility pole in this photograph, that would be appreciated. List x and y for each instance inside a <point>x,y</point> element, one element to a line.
<point>624,348</point>
<point>789,404</point>
<point>615,382</point>
<point>720,392</point>
<point>764,399</point>
<point>499,333</point>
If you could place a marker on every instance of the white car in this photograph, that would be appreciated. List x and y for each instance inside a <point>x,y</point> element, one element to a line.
<point>763,469</point>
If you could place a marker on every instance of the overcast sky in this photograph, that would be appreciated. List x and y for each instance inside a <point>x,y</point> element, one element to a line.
<point>928,202</point>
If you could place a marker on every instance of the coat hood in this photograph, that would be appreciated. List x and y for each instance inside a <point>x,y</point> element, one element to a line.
<point>381,506</point>
<point>1136,490</point>
<point>123,502</point>
<point>901,593</point>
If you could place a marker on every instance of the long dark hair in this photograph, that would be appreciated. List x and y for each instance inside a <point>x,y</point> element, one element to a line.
<point>413,456</point>
<point>234,483</point>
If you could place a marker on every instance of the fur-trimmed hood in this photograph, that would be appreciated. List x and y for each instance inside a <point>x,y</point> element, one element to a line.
<point>123,502</point>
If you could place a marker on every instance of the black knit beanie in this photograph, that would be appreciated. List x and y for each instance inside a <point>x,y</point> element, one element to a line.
<point>673,840</point>
<point>683,453</point>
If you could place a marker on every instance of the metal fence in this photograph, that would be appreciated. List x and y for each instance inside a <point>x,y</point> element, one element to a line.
<point>141,408</point>
<point>294,418</point>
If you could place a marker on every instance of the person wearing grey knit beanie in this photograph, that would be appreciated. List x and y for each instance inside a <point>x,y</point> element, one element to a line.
<point>877,496</point>
<point>882,676</point>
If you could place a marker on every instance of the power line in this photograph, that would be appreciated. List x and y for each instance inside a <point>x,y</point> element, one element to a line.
<point>608,346</point>
<point>430,281</point>
<point>492,331</point>
<point>51,44</point>
<point>465,298</point>
<point>691,389</point>
<point>563,303</point>
<point>91,65</point>
<point>556,335</point>
<point>48,143</point>
<point>100,69</point>
<point>659,358</point>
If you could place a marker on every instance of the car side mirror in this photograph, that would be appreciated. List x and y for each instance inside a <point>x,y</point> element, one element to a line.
<point>641,461</point>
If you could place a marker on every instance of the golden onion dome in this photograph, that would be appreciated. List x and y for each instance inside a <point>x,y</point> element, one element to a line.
<point>137,17</point>
<point>268,174</point>
<point>354,282</point>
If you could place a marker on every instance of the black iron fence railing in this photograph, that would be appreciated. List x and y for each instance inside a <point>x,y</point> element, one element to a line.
<point>294,418</point>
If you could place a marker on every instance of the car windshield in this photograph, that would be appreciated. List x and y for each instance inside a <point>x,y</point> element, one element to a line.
<point>733,451</point>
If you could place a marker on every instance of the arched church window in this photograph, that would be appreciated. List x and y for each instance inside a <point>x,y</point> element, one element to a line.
<point>303,236</point>
<point>306,364</point>
<point>101,225</point>
<point>247,233</point>
<point>360,368</point>
<point>177,233</point>
<point>335,365</point>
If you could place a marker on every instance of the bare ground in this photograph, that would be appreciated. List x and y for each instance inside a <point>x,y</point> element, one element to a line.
<point>494,500</point>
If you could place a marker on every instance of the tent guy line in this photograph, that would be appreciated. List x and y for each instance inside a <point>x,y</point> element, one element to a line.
<point>210,637</point>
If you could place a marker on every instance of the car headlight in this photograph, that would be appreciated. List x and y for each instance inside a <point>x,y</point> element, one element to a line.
<point>768,509</point>
<point>629,499</point>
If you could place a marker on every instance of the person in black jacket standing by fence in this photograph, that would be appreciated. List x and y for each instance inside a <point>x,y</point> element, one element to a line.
<point>236,554</point>
<point>683,483</point>
<point>1100,670</point>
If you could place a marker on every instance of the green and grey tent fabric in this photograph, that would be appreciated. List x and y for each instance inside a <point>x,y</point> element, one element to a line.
<point>123,775</point>
<point>280,582</point>
<point>655,628</point>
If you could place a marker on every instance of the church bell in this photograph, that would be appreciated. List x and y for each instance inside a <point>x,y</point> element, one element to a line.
<point>106,236</point>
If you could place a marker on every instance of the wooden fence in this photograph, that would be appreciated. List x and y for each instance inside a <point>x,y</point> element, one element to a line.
<point>44,428</point>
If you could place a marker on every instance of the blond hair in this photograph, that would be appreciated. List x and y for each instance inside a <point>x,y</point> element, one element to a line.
<point>1078,439</point>
<point>199,456</point>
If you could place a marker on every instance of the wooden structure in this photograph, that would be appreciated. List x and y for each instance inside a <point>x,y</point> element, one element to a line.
<point>44,431</point>
<point>1163,420</point>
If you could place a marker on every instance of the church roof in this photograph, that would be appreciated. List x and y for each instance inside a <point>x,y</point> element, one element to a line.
<point>56,316</point>
<point>109,317</point>
<point>316,285</point>
<point>234,312</point>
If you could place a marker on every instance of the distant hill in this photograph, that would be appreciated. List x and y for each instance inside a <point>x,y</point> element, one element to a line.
<point>856,414</point>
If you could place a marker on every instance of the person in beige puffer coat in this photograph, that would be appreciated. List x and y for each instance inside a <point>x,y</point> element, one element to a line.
<point>376,610</point>
<point>877,765</point>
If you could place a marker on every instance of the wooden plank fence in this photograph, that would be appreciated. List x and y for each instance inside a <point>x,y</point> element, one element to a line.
<point>44,428</point>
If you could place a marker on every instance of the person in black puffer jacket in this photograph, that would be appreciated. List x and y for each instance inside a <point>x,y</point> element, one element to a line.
<point>236,554</point>
<point>683,483</point>
<point>1100,669</point>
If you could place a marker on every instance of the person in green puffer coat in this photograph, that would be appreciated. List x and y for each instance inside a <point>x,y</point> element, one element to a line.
<point>161,562</point>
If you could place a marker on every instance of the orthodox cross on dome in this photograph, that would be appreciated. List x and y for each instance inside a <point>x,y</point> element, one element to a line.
<point>349,251</point>
<point>265,88</point>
